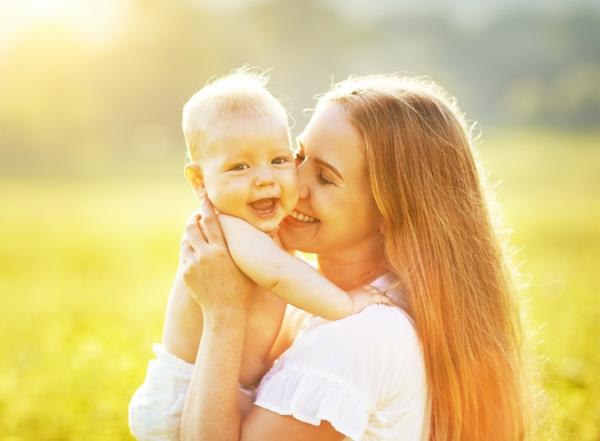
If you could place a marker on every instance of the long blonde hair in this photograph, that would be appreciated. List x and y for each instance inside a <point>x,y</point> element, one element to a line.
<point>440,242</point>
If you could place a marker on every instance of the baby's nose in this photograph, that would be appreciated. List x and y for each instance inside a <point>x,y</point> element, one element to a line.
<point>263,178</point>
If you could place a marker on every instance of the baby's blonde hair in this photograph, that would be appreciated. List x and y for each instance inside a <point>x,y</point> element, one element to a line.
<point>241,94</point>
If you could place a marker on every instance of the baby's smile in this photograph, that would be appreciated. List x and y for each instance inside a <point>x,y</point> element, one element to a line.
<point>265,208</point>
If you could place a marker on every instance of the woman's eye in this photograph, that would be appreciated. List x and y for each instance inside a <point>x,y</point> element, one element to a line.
<point>239,167</point>
<point>323,180</point>
<point>280,160</point>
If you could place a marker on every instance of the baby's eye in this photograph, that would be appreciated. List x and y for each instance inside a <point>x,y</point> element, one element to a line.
<point>280,160</point>
<point>239,167</point>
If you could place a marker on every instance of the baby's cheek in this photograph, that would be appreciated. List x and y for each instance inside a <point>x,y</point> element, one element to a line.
<point>290,194</point>
<point>224,200</point>
<point>215,196</point>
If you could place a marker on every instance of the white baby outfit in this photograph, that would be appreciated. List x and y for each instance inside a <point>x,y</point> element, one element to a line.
<point>364,374</point>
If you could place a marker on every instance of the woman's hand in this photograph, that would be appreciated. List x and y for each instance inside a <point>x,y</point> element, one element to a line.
<point>214,280</point>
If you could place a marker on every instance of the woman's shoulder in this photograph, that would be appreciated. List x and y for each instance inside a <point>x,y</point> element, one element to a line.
<point>362,373</point>
<point>377,322</point>
<point>349,371</point>
<point>379,332</point>
<point>380,317</point>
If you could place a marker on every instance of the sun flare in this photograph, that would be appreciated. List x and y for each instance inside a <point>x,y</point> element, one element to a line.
<point>93,20</point>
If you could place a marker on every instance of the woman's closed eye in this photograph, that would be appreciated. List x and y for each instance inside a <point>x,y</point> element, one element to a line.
<point>323,179</point>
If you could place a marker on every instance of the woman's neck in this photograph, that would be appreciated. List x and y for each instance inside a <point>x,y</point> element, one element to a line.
<point>354,267</point>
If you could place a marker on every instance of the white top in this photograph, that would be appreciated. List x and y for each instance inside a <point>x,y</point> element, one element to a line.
<point>364,374</point>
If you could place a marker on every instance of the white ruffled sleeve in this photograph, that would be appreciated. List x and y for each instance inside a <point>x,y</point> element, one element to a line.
<point>156,406</point>
<point>311,396</point>
<point>363,374</point>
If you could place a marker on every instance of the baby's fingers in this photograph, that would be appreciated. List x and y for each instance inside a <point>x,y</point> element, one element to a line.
<point>377,297</point>
<point>381,299</point>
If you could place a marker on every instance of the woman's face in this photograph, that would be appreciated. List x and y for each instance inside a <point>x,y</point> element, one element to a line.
<point>336,211</point>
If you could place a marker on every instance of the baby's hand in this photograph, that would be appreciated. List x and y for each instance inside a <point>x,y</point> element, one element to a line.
<point>367,295</point>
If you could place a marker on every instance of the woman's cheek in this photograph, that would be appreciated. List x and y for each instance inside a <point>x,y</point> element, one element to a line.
<point>350,216</point>
<point>326,208</point>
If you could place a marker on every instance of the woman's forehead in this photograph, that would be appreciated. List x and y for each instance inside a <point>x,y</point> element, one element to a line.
<point>331,137</point>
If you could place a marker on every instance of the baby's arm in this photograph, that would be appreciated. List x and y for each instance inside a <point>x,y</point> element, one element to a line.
<point>288,277</point>
<point>183,322</point>
<point>182,330</point>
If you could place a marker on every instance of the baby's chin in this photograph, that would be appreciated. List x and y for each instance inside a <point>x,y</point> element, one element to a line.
<point>270,226</point>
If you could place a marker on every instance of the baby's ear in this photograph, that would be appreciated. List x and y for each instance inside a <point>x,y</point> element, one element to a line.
<point>193,174</point>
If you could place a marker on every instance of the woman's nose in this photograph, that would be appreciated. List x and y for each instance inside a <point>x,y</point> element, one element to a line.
<point>303,189</point>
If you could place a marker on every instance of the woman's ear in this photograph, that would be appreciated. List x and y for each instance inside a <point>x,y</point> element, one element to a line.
<point>193,174</point>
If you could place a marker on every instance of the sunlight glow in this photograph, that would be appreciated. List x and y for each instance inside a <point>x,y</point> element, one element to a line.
<point>94,20</point>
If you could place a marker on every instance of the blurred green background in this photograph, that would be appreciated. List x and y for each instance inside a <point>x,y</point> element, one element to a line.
<point>93,199</point>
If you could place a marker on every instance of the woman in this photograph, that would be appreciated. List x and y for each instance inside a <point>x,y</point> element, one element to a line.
<point>390,188</point>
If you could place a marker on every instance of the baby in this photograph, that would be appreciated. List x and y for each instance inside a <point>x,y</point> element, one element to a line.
<point>238,143</point>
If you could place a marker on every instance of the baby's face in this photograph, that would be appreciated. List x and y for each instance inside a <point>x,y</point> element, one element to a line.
<point>249,172</point>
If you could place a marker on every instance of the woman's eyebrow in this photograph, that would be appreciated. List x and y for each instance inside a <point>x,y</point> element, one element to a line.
<point>320,161</point>
<point>328,166</point>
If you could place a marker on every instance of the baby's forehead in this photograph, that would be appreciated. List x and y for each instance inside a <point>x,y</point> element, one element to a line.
<point>246,135</point>
<point>240,107</point>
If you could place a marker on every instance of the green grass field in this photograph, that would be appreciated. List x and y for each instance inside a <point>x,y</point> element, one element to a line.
<point>86,266</point>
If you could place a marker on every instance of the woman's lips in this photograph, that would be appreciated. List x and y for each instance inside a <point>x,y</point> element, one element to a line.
<point>264,208</point>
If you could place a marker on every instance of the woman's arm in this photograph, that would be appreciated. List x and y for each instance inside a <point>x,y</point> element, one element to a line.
<point>288,277</point>
<point>211,406</point>
<point>211,410</point>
